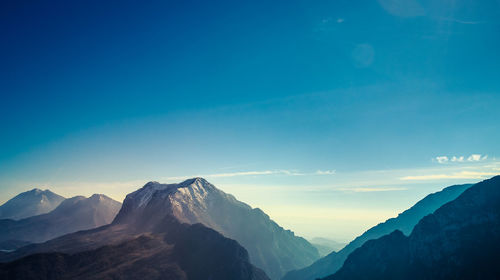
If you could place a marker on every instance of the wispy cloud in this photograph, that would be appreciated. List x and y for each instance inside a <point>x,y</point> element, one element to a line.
<point>459,159</point>
<point>455,175</point>
<point>373,189</point>
<point>254,173</point>
<point>462,21</point>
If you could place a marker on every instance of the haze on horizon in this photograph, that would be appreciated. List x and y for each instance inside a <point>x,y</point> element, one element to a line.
<point>331,116</point>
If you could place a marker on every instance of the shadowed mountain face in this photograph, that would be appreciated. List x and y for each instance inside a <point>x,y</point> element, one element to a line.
<point>30,203</point>
<point>403,222</point>
<point>460,240</point>
<point>73,214</point>
<point>183,251</point>
<point>270,247</point>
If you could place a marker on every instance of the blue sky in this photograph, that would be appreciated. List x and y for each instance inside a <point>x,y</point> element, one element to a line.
<point>338,110</point>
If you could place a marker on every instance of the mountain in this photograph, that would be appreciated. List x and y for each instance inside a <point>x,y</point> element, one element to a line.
<point>193,201</point>
<point>460,240</point>
<point>325,245</point>
<point>30,203</point>
<point>73,214</point>
<point>271,248</point>
<point>403,222</point>
<point>145,241</point>
<point>184,251</point>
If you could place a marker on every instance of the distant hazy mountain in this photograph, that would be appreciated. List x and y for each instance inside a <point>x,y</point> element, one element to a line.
<point>270,247</point>
<point>30,203</point>
<point>73,214</point>
<point>184,251</point>
<point>403,222</point>
<point>325,246</point>
<point>460,240</point>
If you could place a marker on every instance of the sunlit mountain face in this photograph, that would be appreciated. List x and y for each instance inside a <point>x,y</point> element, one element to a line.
<point>248,139</point>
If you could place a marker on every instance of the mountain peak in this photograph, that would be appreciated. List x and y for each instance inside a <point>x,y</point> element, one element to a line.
<point>30,203</point>
<point>98,196</point>
<point>195,181</point>
<point>193,185</point>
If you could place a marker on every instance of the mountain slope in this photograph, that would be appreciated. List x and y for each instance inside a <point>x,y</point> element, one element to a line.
<point>73,214</point>
<point>181,252</point>
<point>270,247</point>
<point>460,240</point>
<point>30,203</point>
<point>403,222</point>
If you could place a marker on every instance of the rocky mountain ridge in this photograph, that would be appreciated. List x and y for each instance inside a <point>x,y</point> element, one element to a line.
<point>460,240</point>
<point>403,222</point>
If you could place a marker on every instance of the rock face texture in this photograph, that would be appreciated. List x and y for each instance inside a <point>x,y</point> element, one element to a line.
<point>30,203</point>
<point>460,240</point>
<point>73,214</point>
<point>403,222</point>
<point>192,252</point>
<point>271,248</point>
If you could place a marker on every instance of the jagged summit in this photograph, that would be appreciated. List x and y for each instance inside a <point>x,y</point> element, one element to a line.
<point>197,186</point>
<point>184,184</point>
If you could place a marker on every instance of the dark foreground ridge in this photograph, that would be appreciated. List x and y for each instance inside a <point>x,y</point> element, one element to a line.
<point>182,252</point>
<point>460,240</point>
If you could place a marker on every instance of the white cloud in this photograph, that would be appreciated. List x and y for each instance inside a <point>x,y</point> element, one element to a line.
<point>325,172</point>
<point>457,159</point>
<point>442,159</point>
<point>474,157</point>
<point>340,20</point>
<point>471,158</point>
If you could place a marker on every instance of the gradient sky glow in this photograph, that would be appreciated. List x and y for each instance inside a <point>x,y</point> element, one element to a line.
<point>329,115</point>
